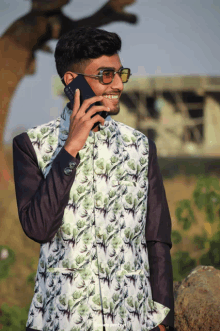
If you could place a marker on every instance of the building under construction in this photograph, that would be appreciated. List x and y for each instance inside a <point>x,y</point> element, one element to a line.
<point>180,113</point>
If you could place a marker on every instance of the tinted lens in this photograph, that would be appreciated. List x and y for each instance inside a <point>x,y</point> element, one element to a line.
<point>108,76</point>
<point>125,73</point>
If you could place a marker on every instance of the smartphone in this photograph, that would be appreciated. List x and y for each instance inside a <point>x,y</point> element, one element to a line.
<point>86,92</point>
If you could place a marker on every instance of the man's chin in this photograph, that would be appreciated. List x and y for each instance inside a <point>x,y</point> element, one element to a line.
<point>114,111</point>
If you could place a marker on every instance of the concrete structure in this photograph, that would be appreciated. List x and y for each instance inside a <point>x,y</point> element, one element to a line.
<point>180,113</point>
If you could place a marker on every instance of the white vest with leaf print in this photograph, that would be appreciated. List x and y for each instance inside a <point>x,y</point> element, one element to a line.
<point>95,270</point>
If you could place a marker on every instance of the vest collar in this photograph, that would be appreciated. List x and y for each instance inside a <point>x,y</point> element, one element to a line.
<point>106,131</point>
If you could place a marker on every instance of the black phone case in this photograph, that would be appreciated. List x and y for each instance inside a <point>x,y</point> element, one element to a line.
<point>86,92</point>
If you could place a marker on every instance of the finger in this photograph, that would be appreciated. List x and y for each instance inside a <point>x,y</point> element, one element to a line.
<point>97,118</point>
<point>96,109</point>
<point>76,104</point>
<point>88,102</point>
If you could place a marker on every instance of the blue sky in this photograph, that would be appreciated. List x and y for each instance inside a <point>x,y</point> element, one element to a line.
<point>172,37</point>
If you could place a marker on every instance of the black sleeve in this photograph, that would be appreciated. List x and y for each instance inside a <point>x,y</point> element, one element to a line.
<point>158,237</point>
<point>41,201</point>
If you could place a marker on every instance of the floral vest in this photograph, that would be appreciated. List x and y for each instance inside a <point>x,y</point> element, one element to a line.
<point>94,274</point>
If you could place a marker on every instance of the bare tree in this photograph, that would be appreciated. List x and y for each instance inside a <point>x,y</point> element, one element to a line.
<point>31,32</point>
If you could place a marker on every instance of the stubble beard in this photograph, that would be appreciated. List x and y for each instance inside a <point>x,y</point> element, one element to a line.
<point>114,111</point>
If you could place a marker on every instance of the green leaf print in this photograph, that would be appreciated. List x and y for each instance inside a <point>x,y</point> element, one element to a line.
<point>52,140</point>
<point>146,267</point>
<point>140,194</point>
<point>44,130</point>
<point>46,158</point>
<point>66,263</point>
<point>81,189</point>
<point>82,309</point>
<point>105,303</point>
<point>122,312</point>
<point>110,263</point>
<point>87,238</point>
<point>32,135</point>
<point>117,207</point>
<point>139,296</point>
<point>125,138</point>
<point>87,203</point>
<point>119,173</point>
<point>62,299</point>
<point>114,159</point>
<point>129,198</point>
<point>128,232</point>
<point>96,300</point>
<point>132,164</point>
<point>76,295</point>
<point>100,164</point>
<point>80,224</point>
<point>136,229</point>
<point>85,274</point>
<point>111,194</point>
<point>143,160</point>
<point>66,229</point>
<point>75,328</point>
<point>127,267</point>
<point>98,198</point>
<point>75,232</point>
<point>116,242</point>
<point>102,132</point>
<point>115,297</point>
<point>111,128</point>
<point>87,169</point>
<point>130,302</point>
<point>79,259</point>
<point>39,298</point>
<point>42,264</point>
<point>70,303</point>
<point>75,197</point>
<point>109,228</point>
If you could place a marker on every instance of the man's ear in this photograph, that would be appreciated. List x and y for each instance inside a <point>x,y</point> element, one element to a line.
<point>69,76</point>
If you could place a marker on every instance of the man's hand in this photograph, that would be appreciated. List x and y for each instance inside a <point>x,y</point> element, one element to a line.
<point>81,122</point>
<point>118,5</point>
<point>162,327</point>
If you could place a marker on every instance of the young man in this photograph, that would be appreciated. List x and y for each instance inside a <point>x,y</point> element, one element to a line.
<point>95,201</point>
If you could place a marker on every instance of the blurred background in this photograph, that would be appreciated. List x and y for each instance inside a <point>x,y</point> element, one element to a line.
<point>173,97</point>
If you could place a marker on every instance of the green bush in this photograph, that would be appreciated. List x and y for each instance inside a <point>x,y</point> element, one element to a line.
<point>206,198</point>
<point>13,318</point>
<point>182,265</point>
<point>7,258</point>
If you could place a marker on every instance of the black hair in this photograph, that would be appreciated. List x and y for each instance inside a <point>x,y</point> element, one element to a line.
<point>82,44</point>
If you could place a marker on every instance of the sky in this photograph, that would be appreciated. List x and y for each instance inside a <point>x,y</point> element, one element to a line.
<point>172,37</point>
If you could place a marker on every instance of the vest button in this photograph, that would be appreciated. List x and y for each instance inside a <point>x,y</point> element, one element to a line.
<point>67,171</point>
<point>72,165</point>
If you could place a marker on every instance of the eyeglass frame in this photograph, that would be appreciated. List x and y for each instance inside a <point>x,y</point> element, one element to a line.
<point>100,76</point>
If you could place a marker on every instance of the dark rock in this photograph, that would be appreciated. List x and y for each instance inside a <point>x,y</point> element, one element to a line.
<point>197,300</point>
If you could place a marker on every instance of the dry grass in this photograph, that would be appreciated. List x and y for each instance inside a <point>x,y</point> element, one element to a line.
<point>14,290</point>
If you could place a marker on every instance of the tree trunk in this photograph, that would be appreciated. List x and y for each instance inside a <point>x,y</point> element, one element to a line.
<point>31,32</point>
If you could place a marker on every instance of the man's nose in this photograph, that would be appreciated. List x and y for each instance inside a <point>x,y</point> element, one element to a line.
<point>117,82</point>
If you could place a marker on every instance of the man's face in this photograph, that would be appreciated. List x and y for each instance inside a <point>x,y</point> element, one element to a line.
<point>92,67</point>
<point>114,88</point>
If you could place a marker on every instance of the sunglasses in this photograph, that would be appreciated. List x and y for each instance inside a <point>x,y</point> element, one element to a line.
<point>106,76</point>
